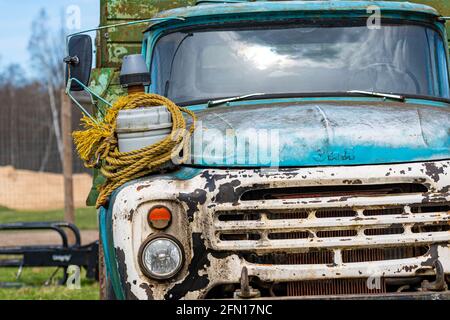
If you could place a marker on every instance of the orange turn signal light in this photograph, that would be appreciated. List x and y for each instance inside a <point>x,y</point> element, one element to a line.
<point>159,217</point>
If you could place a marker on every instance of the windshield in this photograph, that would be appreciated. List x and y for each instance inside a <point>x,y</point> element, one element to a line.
<point>208,64</point>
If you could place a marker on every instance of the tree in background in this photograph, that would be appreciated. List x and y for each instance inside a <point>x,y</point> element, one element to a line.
<point>47,49</point>
<point>26,131</point>
<point>11,78</point>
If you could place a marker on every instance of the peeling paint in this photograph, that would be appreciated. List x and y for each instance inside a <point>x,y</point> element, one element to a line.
<point>216,261</point>
<point>193,200</point>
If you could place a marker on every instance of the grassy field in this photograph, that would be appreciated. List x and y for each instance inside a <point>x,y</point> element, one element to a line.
<point>33,286</point>
<point>86,218</point>
<point>33,280</point>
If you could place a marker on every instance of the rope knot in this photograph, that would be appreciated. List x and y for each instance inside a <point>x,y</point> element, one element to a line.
<point>98,144</point>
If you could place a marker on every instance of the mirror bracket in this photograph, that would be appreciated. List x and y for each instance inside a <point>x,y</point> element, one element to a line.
<point>73,83</point>
<point>92,95</point>
<point>71,60</point>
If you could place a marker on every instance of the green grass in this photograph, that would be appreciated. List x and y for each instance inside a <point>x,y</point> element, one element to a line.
<point>85,218</point>
<point>33,280</point>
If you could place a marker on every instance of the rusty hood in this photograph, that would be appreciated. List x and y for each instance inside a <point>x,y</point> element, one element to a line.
<point>320,134</point>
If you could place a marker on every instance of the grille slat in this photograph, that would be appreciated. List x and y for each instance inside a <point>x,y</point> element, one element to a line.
<point>361,229</point>
<point>312,257</point>
<point>379,254</point>
<point>335,213</point>
<point>333,190</point>
<point>336,233</point>
<point>325,221</point>
<point>384,212</point>
<point>297,214</point>
<point>333,287</point>
<point>348,256</point>
<point>290,235</point>
<point>382,231</point>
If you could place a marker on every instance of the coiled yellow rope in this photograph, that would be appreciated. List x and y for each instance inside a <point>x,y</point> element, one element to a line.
<point>98,143</point>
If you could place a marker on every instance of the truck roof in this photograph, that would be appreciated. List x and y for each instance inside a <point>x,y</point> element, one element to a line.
<point>224,7</point>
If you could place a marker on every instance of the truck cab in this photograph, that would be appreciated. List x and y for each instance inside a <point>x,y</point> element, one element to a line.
<point>320,162</point>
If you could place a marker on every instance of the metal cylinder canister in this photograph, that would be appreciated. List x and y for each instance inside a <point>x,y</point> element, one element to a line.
<point>142,127</point>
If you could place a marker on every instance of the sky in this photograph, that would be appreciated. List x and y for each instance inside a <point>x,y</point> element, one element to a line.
<point>15,24</point>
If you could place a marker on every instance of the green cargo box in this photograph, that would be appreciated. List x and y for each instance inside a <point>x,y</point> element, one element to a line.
<point>114,43</point>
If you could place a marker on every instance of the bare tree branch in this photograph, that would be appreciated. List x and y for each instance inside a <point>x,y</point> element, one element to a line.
<point>47,50</point>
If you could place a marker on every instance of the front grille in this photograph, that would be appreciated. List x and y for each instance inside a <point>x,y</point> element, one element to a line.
<point>431,227</point>
<point>289,235</point>
<point>239,236</point>
<point>335,213</point>
<point>334,287</point>
<point>348,256</point>
<point>381,231</point>
<point>380,254</point>
<point>313,257</point>
<point>282,215</point>
<point>384,212</point>
<point>429,208</point>
<point>357,189</point>
<point>336,233</point>
<point>280,225</point>
<point>301,234</point>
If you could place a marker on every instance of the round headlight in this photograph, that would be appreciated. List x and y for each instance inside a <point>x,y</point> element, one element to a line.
<point>161,257</point>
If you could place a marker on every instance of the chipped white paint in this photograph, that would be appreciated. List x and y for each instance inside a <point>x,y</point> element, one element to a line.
<point>129,231</point>
<point>388,268</point>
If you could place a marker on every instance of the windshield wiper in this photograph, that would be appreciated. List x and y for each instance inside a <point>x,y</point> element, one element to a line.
<point>213,103</point>
<point>378,94</point>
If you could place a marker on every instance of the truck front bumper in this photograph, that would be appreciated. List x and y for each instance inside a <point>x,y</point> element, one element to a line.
<point>317,242</point>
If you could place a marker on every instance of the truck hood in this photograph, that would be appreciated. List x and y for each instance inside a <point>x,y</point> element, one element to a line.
<point>320,134</point>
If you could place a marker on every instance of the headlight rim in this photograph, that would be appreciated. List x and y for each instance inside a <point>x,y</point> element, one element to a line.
<point>144,268</point>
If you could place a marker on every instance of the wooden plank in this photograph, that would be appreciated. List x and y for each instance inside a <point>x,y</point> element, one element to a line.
<point>66,128</point>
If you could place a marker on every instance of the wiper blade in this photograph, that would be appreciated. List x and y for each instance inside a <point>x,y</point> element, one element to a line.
<point>378,94</point>
<point>213,103</point>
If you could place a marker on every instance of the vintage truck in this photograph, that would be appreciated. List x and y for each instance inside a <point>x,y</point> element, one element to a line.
<point>341,186</point>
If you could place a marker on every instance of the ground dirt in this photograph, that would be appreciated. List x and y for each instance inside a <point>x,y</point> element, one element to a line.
<point>30,190</point>
<point>15,238</point>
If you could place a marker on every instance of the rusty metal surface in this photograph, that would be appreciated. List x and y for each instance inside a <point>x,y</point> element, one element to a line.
<point>114,43</point>
<point>388,296</point>
<point>254,7</point>
<point>105,83</point>
<point>198,201</point>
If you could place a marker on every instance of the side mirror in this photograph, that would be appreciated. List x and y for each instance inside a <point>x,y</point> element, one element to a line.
<point>79,61</point>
